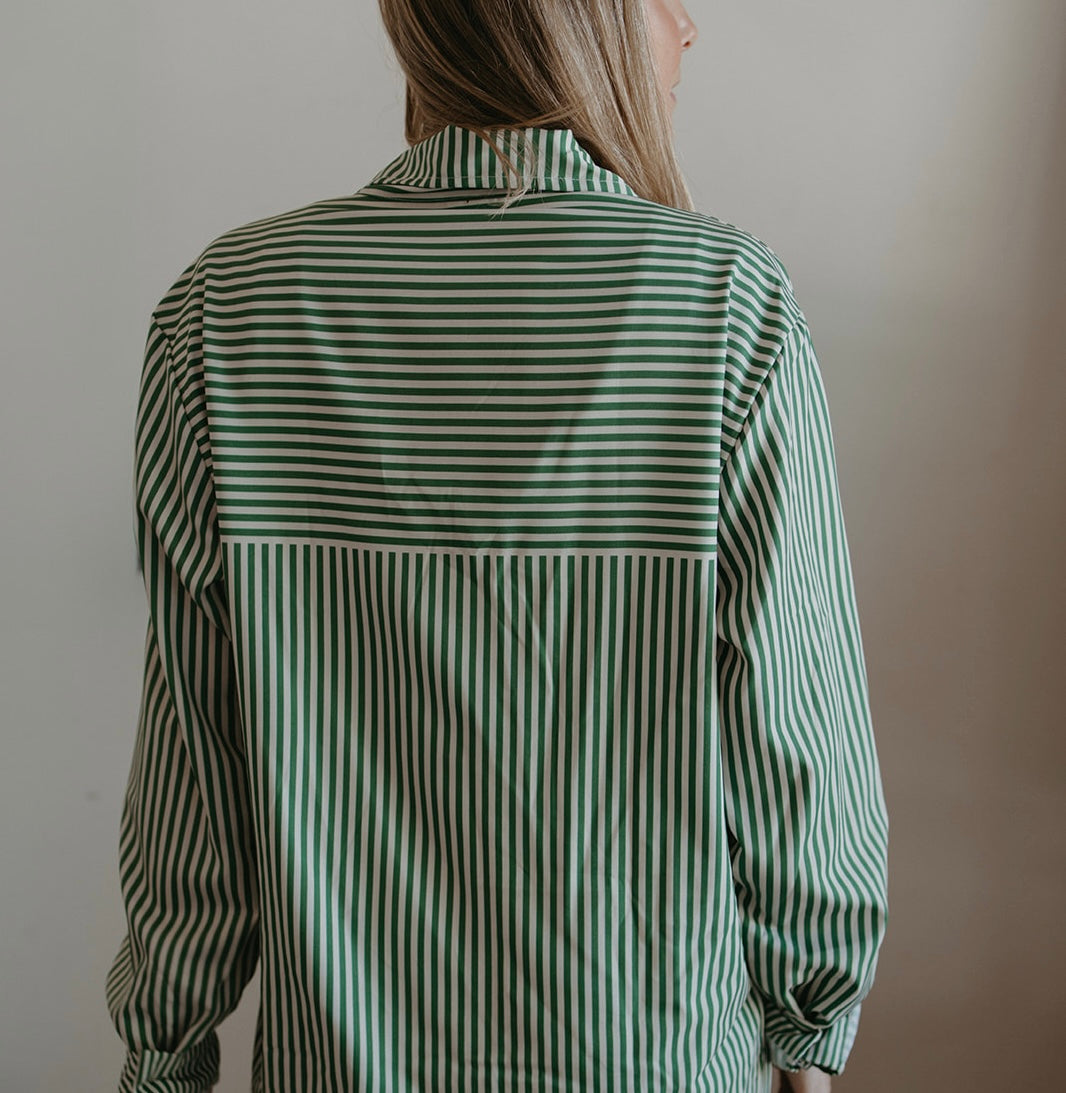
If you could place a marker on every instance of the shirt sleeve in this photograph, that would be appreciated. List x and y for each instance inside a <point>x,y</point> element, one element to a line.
<point>187,860</point>
<point>804,802</point>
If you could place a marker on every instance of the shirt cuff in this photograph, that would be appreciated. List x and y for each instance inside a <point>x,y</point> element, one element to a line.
<point>194,1070</point>
<point>797,1049</point>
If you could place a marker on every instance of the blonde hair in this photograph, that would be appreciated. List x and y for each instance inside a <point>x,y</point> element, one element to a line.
<point>584,65</point>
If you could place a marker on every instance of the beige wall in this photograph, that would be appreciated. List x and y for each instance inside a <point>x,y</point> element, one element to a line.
<point>906,161</point>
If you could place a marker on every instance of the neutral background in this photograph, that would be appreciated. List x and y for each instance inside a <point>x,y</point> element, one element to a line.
<point>905,160</point>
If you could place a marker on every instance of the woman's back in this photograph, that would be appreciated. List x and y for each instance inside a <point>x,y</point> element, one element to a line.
<point>508,687</point>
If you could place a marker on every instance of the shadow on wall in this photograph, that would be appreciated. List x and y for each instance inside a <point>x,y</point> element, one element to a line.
<point>972,983</point>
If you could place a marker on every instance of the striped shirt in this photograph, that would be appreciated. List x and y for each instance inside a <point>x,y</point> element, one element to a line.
<point>504,695</point>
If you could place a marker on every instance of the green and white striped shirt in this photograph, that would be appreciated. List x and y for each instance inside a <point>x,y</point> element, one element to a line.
<point>504,694</point>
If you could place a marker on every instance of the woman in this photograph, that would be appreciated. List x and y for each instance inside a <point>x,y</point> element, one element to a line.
<point>504,690</point>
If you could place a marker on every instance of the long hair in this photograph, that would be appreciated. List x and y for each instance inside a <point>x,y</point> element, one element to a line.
<point>584,65</point>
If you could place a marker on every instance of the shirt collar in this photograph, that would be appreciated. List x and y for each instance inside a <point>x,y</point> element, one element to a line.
<point>456,158</point>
